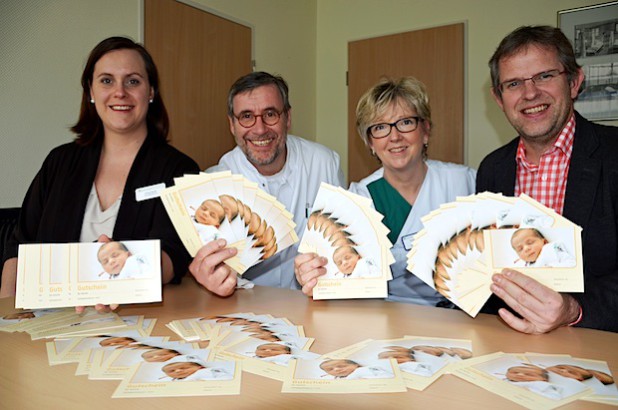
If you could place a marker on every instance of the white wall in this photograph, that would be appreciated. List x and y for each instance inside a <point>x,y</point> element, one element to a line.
<point>43,48</point>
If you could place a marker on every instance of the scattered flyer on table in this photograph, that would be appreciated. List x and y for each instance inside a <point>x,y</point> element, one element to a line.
<point>206,207</point>
<point>84,274</point>
<point>541,381</point>
<point>463,243</point>
<point>343,376</point>
<point>268,359</point>
<point>422,360</point>
<point>185,375</point>
<point>345,229</point>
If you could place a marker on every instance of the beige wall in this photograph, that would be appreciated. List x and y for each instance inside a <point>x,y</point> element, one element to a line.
<point>44,46</point>
<point>341,21</point>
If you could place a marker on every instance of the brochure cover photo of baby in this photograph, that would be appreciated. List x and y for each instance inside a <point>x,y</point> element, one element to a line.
<point>345,229</point>
<point>83,274</point>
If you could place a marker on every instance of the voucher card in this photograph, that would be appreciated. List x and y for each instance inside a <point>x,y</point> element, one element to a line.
<point>268,359</point>
<point>345,229</point>
<point>515,378</point>
<point>84,274</point>
<point>463,243</point>
<point>343,376</point>
<point>186,375</point>
<point>422,360</point>
<point>206,207</point>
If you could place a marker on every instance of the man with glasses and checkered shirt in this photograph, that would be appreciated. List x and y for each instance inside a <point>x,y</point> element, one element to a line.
<point>563,161</point>
<point>288,167</point>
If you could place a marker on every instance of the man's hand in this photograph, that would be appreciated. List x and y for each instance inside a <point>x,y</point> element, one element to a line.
<point>210,271</point>
<point>542,309</point>
<point>307,268</point>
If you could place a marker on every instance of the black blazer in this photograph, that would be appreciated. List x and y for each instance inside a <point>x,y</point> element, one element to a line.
<point>591,202</point>
<point>54,206</point>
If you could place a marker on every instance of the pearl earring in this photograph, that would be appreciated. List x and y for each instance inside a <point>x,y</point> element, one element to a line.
<point>150,101</point>
<point>92,101</point>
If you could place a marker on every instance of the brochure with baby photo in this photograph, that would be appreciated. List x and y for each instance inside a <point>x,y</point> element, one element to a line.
<point>268,359</point>
<point>326,375</point>
<point>16,321</point>
<point>206,207</point>
<point>118,362</point>
<point>184,375</point>
<point>422,360</point>
<point>84,274</point>
<point>515,377</point>
<point>345,229</point>
<point>463,243</point>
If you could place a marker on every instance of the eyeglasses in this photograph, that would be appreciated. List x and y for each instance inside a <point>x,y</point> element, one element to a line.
<point>269,117</point>
<point>540,79</point>
<point>404,125</point>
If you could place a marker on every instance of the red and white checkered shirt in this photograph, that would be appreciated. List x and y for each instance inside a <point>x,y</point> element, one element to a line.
<point>546,182</point>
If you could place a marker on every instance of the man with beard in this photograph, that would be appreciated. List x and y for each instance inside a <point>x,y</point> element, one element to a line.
<point>288,167</point>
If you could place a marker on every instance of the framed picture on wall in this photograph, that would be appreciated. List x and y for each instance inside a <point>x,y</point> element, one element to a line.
<point>593,31</point>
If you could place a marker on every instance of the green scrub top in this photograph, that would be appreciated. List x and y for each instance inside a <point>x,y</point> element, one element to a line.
<point>389,202</point>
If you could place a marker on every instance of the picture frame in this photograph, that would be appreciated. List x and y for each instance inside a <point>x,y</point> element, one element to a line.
<point>593,32</point>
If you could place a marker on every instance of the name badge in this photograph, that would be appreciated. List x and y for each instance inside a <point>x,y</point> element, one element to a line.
<point>149,192</point>
<point>407,241</point>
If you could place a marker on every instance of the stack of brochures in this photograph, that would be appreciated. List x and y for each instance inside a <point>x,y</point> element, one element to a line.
<point>206,207</point>
<point>463,243</point>
<point>345,229</point>
<point>84,274</point>
<point>263,343</point>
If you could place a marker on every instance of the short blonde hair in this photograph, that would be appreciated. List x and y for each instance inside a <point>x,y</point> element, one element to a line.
<point>379,98</point>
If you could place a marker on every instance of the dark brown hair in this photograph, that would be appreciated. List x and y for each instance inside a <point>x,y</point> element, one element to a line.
<point>543,36</point>
<point>89,127</point>
<point>254,80</point>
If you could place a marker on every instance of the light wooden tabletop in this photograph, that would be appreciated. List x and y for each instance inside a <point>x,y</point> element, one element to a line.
<point>28,382</point>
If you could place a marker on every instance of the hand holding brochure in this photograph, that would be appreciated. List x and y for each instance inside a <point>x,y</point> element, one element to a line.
<point>84,274</point>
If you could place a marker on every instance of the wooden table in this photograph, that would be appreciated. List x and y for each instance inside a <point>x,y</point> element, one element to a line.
<point>28,382</point>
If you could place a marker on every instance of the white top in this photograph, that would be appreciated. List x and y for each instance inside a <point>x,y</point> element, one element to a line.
<point>365,268</point>
<point>134,267</point>
<point>370,372</point>
<point>420,369</point>
<point>97,222</point>
<point>553,255</point>
<point>307,165</point>
<point>443,183</point>
<point>209,373</point>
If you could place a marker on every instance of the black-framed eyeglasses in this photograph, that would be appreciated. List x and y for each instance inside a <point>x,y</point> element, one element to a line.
<point>404,125</point>
<point>540,79</point>
<point>269,117</point>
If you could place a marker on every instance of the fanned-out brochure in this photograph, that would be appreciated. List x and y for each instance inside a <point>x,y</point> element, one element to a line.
<point>207,207</point>
<point>345,229</point>
<point>463,243</point>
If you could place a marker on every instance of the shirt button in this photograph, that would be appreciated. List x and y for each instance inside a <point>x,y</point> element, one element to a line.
<point>544,178</point>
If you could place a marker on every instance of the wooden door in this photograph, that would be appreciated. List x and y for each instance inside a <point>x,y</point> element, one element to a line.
<point>436,57</point>
<point>199,56</point>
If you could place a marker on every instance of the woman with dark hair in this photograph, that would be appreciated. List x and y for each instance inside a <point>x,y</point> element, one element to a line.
<point>89,189</point>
